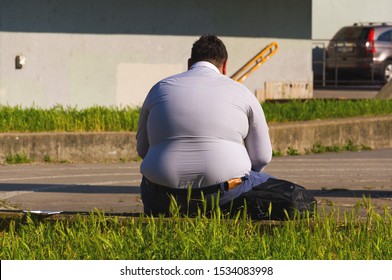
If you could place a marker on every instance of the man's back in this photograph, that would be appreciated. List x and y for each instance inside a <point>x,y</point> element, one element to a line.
<point>203,128</point>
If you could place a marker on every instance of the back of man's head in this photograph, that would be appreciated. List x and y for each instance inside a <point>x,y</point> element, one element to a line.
<point>209,48</point>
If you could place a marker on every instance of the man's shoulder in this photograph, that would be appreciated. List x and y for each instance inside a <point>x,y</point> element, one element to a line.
<point>182,78</point>
<point>172,78</point>
<point>167,80</point>
<point>175,76</point>
<point>238,86</point>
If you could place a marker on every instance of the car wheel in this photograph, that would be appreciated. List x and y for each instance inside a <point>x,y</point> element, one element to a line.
<point>387,72</point>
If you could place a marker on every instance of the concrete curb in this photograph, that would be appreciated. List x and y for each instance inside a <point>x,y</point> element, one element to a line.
<point>70,146</point>
<point>374,132</point>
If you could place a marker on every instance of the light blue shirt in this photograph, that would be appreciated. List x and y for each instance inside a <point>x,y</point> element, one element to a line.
<point>200,128</point>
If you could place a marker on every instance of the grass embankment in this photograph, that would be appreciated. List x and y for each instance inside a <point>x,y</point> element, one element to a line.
<point>68,119</point>
<point>97,118</point>
<point>315,109</point>
<point>102,237</point>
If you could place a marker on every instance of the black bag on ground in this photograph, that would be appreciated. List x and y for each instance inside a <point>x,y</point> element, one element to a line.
<point>278,199</point>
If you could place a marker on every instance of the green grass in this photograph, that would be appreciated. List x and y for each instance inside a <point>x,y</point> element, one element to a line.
<point>17,159</point>
<point>314,109</point>
<point>97,236</point>
<point>59,118</point>
<point>318,148</point>
<point>99,119</point>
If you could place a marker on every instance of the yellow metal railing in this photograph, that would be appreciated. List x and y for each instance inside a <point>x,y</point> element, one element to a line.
<point>255,62</point>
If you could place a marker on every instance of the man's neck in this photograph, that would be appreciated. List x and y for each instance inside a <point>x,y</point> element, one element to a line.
<point>208,65</point>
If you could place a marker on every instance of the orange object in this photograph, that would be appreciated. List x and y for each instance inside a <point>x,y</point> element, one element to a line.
<point>233,183</point>
<point>255,62</point>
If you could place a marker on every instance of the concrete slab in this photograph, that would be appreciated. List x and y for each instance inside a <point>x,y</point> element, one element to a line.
<point>71,187</point>
<point>345,94</point>
<point>340,179</point>
<point>385,92</point>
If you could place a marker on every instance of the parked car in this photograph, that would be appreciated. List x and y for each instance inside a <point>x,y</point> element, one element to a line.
<point>361,49</point>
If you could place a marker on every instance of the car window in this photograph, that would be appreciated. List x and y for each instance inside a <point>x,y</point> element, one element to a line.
<point>351,33</point>
<point>386,36</point>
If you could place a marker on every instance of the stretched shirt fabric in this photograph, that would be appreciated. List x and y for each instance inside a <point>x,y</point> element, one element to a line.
<point>200,128</point>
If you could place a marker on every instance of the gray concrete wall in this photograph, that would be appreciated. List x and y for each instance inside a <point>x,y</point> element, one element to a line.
<point>374,132</point>
<point>110,52</point>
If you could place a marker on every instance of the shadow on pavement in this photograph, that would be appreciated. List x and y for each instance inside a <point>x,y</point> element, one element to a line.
<point>97,189</point>
<point>58,188</point>
<point>352,193</point>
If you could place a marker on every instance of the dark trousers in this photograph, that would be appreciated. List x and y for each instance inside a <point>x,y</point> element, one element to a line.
<point>158,200</point>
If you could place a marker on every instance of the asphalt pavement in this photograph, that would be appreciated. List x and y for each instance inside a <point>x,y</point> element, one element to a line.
<point>336,179</point>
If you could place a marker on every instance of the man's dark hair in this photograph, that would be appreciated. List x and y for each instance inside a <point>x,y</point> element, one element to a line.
<point>209,48</point>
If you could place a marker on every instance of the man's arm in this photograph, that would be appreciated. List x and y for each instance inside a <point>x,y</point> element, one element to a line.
<point>258,141</point>
<point>142,143</point>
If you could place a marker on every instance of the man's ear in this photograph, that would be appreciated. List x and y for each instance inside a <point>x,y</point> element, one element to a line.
<point>224,67</point>
<point>190,63</point>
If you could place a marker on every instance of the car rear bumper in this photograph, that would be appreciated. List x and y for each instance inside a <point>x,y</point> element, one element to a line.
<point>358,66</point>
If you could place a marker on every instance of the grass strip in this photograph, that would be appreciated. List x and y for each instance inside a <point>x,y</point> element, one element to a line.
<point>314,109</point>
<point>326,236</point>
<point>68,119</point>
<point>100,119</point>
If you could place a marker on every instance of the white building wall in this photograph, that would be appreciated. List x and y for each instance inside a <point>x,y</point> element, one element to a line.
<point>111,52</point>
<point>328,16</point>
